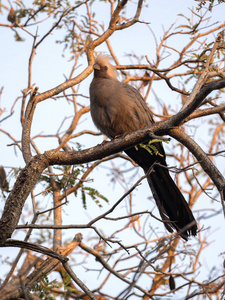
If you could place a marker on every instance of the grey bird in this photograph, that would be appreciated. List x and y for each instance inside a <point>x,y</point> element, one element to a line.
<point>118,108</point>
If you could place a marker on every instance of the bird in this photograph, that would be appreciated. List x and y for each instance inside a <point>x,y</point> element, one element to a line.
<point>117,108</point>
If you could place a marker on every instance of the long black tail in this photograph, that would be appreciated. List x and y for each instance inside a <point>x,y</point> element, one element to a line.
<point>171,204</point>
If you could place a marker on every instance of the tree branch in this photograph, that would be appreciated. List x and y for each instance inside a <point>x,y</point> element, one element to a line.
<point>78,281</point>
<point>46,267</point>
<point>202,158</point>
<point>27,126</point>
<point>204,74</point>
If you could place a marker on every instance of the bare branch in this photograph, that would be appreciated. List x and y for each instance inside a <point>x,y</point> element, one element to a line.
<point>202,158</point>
<point>204,74</point>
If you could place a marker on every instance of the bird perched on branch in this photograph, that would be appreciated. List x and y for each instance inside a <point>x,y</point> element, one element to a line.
<point>118,108</point>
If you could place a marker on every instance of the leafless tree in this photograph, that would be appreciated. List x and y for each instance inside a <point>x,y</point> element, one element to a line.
<point>153,264</point>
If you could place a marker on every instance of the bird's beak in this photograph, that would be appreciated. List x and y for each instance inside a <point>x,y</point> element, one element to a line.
<point>96,67</point>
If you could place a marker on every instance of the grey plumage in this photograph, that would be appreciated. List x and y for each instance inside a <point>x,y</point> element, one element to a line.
<point>106,94</point>
<point>118,108</point>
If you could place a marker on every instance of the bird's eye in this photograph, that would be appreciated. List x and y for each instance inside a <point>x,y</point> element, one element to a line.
<point>106,68</point>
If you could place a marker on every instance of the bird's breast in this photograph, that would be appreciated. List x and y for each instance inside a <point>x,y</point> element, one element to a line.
<point>115,108</point>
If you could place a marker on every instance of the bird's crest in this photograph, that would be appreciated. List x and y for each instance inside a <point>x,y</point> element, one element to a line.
<point>103,60</point>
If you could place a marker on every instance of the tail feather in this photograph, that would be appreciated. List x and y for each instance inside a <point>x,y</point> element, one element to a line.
<point>171,204</point>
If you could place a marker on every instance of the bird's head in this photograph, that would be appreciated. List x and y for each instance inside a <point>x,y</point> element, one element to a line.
<point>103,68</point>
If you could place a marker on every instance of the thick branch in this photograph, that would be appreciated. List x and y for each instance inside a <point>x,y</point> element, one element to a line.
<point>15,202</point>
<point>201,95</point>
<point>36,248</point>
<point>202,158</point>
<point>106,148</point>
<point>27,126</point>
